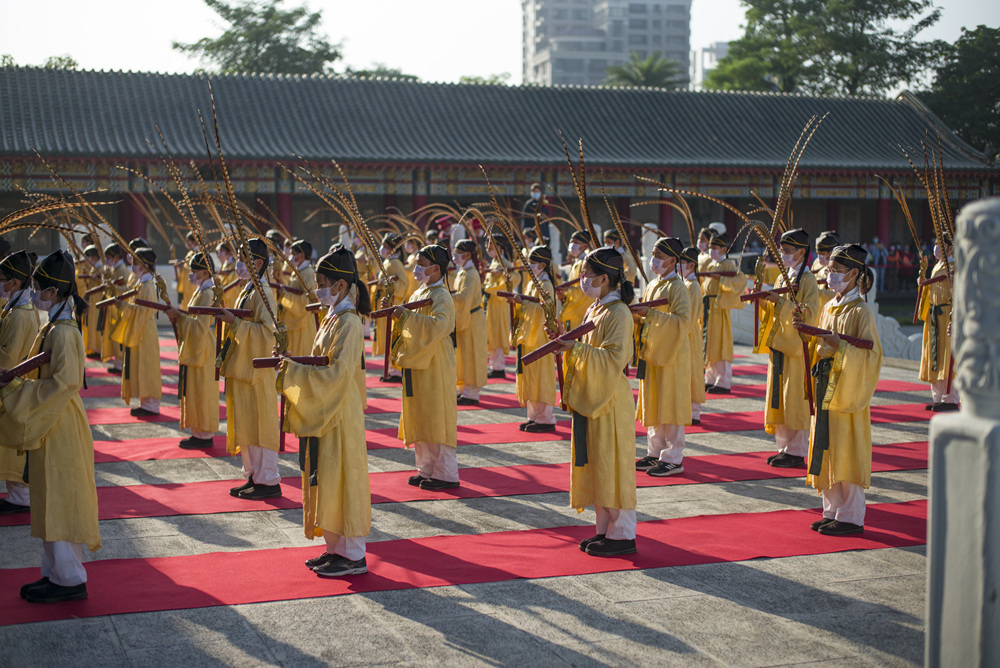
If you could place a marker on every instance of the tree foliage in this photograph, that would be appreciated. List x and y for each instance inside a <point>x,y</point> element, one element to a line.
<point>262,37</point>
<point>63,62</point>
<point>846,47</point>
<point>502,79</point>
<point>965,92</point>
<point>654,71</point>
<point>381,71</point>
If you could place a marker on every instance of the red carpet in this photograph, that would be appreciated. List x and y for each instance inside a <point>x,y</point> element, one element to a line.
<point>102,371</point>
<point>202,498</point>
<point>98,416</point>
<point>118,586</point>
<point>142,449</point>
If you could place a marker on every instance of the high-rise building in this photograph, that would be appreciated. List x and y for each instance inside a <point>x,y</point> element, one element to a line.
<point>704,61</point>
<point>575,41</point>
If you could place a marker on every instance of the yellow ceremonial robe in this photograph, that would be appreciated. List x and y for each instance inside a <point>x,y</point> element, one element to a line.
<point>470,329</point>
<point>251,398</point>
<point>787,401</point>
<point>695,339</point>
<point>198,388</point>
<point>136,331</point>
<point>109,317</point>
<point>300,323</point>
<point>18,328</point>
<point>720,294</point>
<point>821,272</point>
<point>598,393</point>
<point>631,270</point>
<point>227,275</point>
<point>91,337</point>
<point>184,287</point>
<point>423,347</point>
<point>535,382</point>
<point>852,379</point>
<point>498,325</point>
<point>935,357</point>
<point>324,409</point>
<point>45,417</point>
<point>412,284</point>
<point>397,295</point>
<point>664,351</point>
<point>574,302</point>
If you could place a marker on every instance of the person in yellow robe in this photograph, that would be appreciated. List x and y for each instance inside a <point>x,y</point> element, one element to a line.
<point>470,324</point>
<point>423,346</point>
<point>689,272</point>
<point>92,267</point>
<point>410,248</point>
<point>600,398</point>
<point>325,410</point>
<point>184,287</point>
<point>825,243</point>
<point>19,324</point>
<point>721,294</point>
<point>226,275</point>
<point>116,275</point>
<point>300,323</point>
<point>136,332</point>
<point>613,239</point>
<point>500,277</point>
<point>394,296</point>
<point>574,302</point>
<point>786,412</point>
<point>45,418</point>
<point>198,389</point>
<point>840,449</point>
<point>251,398</point>
<point>935,357</point>
<point>663,350</point>
<point>704,257</point>
<point>536,383</point>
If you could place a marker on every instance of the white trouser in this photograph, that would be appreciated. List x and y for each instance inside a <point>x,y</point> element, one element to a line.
<point>436,461</point>
<point>845,502</point>
<point>394,372</point>
<point>366,329</point>
<point>261,463</point>
<point>792,441</point>
<point>695,411</point>
<point>62,563</point>
<point>666,443</point>
<point>119,361</point>
<point>350,547</point>
<point>719,373</point>
<point>470,392</point>
<point>151,405</point>
<point>615,523</point>
<point>497,360</point>
<point>17,493</point>
<point>197,433</point>
<point>938,388</point>
<point>540,412</point>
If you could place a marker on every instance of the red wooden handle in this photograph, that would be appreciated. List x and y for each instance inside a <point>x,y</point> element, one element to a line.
<point>553,346</point>
<point>272,362</point>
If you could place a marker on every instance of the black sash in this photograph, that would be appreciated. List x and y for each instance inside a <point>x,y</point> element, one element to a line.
<point>408,382</point>
<point>309,446</point>
<point>182,381</point>
<point>579,439</point>
<point>935,340</point>
<point>640,369</point>
<point>127,363</point>
<point>520,368</point>
<point>101,313</point>
<point>821,435</point>
<point>478,308</point>
<point>777,369</point>
<point>706,300</point>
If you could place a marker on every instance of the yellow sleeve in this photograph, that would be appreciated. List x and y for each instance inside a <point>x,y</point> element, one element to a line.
<point>197,334</point>
<point>855,370</point>
<point>464,299</point>
<point>419,332</point>
<point>664,327</point>
<point>591,369</point>
<point>18,330</point>
<point>251,338</point>
<point>782,336</point>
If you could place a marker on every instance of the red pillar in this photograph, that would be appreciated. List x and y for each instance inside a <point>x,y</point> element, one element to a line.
<point>131,220</point>
<point>884,209</point>
<point>732,223</point>
<point>832,214</point>
<point>419,202</point>
<point>284,211</point>
<point>928,226</point>
<point>667,219</point>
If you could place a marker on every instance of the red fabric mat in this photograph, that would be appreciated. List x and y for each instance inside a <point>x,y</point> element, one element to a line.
<point>375,381</point>
<point>118,586</point>
<point>486,401</point>
<point>202,498</point>
<point>142,449</point>
<point>102,371</point>
<point>121,415</point>
<point>113,390</point>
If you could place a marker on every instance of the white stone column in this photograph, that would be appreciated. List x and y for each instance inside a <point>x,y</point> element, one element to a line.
<point>963,613</point>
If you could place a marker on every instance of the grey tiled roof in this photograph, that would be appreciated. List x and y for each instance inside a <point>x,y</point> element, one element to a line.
<point>262,117</point>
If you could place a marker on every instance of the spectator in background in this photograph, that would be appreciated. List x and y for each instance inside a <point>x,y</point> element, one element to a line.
<point>878,255</point>
<point>892,268</point>
<point>906,263</point>
<point>536,203</point>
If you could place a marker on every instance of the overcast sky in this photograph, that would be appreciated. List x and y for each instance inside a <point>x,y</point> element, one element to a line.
<point>438,40</point>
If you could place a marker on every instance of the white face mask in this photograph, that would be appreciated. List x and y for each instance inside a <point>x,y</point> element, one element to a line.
<point>193,279</point>
<point>420,274</point>
<point>703,246</point>
<point>788,259</point>
<point>537,269</point>
<point>137,270</point>
<point>937,252</point>
<point>241,271</point>
<point>835,281</point>
<point>716,255</point>
<point>588,287</point>
<point>492,253</point>
<point>656,266</point>
<point>287,253</point>
<point>536,196</point>
<point>39,303</point>
<point>688,269</point>
<point>4,294</point>
<point>325,298</point>
<point>823,260</point>
<point>575,248</point>
<point>383,253</point>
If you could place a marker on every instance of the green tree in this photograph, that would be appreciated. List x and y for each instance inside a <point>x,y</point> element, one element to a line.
<point>965,92</point>
<point>7,60</point>
<point>655,71</point>
<point>61,62</point>
<point>489,80</point>
<point>263,37</point>
<point>381,70</point>
<point>846,47</point>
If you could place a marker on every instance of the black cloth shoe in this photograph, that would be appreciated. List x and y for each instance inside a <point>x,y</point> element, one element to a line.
<point>645,463</point>
<point>32,585</point>
<point>235,491</point>
<point>820,523</point>
<point>8,508</point>
<point>663,469</point>
<point>324,558</point>
<point>141,412</point>
<point>258,492</point>
<point>50,592</point>
<point>466,401</point>
<point>391,379</point>
<point>771,458</point>
<point>945,407</point>
<point>114,372</point>
<point>539,428</point>
<point>94,356</point>
<point>525,424</point>
<point>340,567</point>
<point>929,407</point>
<point>193,443</point>
<point>715,389</point>
<point>497,374</point>
<point>611,548</point>
<point>695,421</point>
<point>415,480</point>
<point>836,528</point>
<point>587,541</point>
<point>786,461</point>
<point>435,485</point>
